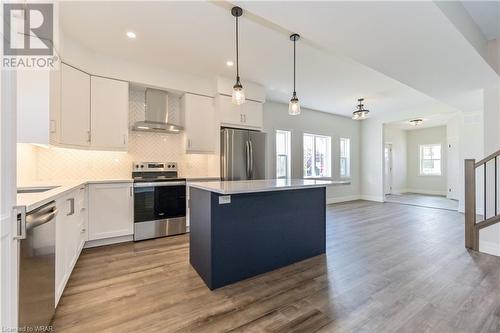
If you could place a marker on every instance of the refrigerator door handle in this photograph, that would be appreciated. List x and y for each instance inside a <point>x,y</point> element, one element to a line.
<point>250,145</point>
<point>247,152</point>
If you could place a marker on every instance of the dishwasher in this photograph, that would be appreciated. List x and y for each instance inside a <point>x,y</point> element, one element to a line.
<point>37,236</point>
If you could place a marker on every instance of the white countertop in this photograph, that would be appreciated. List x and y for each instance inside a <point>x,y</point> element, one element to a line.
<point>264,185</point>
<point>34,200</point>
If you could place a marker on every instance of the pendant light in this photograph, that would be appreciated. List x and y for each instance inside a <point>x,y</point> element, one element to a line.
<point>360,113</point>
<point>294,106</point>
<point>238,95</point>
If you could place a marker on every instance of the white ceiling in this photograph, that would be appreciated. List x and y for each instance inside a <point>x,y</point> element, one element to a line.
<point>198,38</point>
<point>486,14</point>
<point>428,121</point>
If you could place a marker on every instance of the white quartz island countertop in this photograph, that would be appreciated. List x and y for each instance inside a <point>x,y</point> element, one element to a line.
<point>262,185</point>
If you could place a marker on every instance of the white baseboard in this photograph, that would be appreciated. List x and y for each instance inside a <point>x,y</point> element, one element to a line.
<point>399,191</point>
<point>342,199</point>
<point>489,248</point>
<point>372,198</point>
<point>429,192</point>
<point>108,241</point>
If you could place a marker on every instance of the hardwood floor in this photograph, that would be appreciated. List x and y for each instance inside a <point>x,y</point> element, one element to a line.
<point>424,200</point>
<point>388,268</point>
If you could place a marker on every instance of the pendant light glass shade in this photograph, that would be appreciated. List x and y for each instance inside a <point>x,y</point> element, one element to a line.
<point>361,113</point>
<point>294,105</point>
<point>238,94</point>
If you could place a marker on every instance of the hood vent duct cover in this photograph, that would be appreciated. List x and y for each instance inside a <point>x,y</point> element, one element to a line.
<point>156,119</point>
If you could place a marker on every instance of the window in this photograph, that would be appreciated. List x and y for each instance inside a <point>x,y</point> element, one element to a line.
<point>317,161</point>
<point>345,157</point>
<point>283,155</point>
<point>430,160</point>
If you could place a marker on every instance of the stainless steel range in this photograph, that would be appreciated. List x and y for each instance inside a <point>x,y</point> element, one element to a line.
<point>159,200</point>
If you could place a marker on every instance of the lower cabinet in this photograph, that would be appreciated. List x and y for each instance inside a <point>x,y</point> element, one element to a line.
<point>71,234</point>
<point>111,210</point>
<point>90,212</point>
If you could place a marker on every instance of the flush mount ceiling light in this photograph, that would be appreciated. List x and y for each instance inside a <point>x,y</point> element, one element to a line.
<point>238,95</point>
<point>294,106</point>
<point>416,122</point>
<point>229,63</point>
<point>360,113</point>
<point>131,34</point>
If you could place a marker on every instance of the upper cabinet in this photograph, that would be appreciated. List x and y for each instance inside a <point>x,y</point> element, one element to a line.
<point>109,113</point>
<point>93,112</point>
<point>37,94</point>
<point>247,115</point>
<point>74,119</point>
<point>199,123</point>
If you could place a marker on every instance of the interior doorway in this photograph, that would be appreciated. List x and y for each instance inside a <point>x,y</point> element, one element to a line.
<point>388,168</point>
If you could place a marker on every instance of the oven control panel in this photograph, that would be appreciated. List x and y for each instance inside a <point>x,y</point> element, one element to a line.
<point>154,166</point>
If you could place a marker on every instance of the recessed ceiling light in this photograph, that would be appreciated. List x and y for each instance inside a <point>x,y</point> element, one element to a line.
<point>229,63</point>
<point>131,34</point>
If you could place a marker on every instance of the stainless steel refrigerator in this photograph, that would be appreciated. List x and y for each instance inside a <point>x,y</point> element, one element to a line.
<point>243,154</point>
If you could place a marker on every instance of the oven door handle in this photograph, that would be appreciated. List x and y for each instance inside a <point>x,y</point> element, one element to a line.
<point>158,184</point>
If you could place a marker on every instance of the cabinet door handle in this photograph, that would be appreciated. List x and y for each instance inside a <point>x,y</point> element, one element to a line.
<point>189,143</point>
<point>245,118</point>
<point>124,139</point>
<point>72,206</point>
<point>21,222</point>
<point>131,191</point>
<point>89,136</point>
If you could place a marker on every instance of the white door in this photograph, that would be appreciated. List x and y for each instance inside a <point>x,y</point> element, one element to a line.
<point>453,166</point>
<point>109,113</point>
<point>111,210</point>
<point>9,248</point>
<point>75,107</point>
<point>388,168</point>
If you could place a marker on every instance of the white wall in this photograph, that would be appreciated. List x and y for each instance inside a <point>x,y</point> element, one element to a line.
<point>417,183</point>
<point>372,160</point>
<point>397,138</point>
<point>310,121</point>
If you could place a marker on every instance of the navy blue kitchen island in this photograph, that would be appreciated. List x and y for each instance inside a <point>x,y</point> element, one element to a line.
<point>240,229</point>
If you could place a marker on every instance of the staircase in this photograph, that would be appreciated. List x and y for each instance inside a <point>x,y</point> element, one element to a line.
<point>473,221</point>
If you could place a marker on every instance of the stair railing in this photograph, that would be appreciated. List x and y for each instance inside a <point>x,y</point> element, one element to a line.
<point>472,226</point>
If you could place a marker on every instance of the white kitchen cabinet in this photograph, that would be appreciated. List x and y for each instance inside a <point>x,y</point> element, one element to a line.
<point>252,114</point>
<point>74,118</point>
<point>37,98</point>
<point>199,123</point>
<point>110,210</point>
<point>71,226</point>
<point>109,113</point>
<point>246,115</point>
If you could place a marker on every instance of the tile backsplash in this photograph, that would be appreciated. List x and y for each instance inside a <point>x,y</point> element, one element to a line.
<point>37,163</point>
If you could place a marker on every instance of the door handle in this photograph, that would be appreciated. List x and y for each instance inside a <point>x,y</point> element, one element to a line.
<point>21,222</point>
<point>247,151</point>
<point>250,145</point>
<point>72,205</point>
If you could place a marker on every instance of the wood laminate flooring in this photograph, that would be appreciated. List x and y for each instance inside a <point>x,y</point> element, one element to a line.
<point>388,268</point>
<point>424,200</point>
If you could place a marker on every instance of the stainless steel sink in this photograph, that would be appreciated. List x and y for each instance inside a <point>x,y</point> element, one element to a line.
<point>35,189</point>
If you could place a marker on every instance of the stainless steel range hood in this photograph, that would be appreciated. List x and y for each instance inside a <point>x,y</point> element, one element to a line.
<point>156,119</point>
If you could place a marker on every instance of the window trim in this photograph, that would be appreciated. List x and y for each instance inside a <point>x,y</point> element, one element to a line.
<point>420,160</point>
<point>289,166</point>
<point>330,165</point>
<point>348,159</point>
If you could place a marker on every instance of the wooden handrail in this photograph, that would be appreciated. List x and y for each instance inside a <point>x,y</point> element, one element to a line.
<point>487,158</point>
<point>488,222</point>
